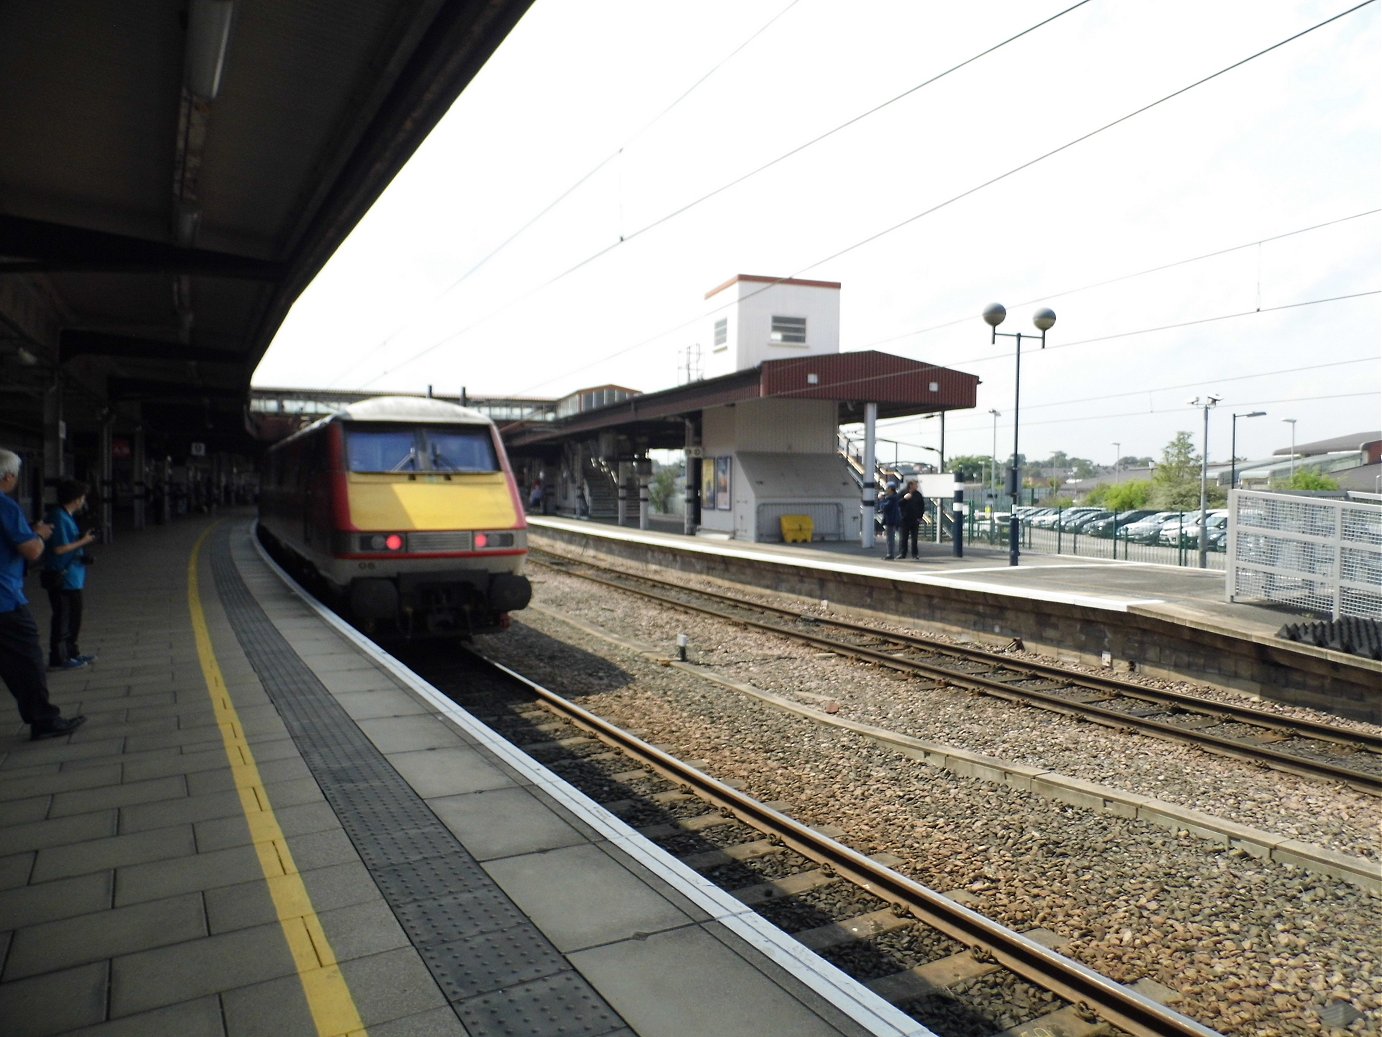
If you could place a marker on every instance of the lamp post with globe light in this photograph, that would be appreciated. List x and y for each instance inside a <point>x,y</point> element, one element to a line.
<point>1044,319</point>
<point>993,459</point>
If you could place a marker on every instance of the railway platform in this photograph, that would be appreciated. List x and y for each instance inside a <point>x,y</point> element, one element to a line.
<point>267,827</point>
<point>1129,616</point>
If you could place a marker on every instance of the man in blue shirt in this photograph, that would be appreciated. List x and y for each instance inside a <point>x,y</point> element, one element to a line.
<point>21,654</point>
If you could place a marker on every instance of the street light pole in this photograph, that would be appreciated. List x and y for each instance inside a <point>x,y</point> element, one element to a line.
<point>1292,423</point>
<point>1209,401</point>
<point>1044,319</point>
<point>1117,456</point>
<point>1233,447</point>
<point>993,458</point>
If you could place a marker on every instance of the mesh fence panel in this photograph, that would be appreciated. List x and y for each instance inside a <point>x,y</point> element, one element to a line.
<point>1320,555</point>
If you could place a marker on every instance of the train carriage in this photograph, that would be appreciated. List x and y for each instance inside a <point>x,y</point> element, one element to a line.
<point>406,511</point>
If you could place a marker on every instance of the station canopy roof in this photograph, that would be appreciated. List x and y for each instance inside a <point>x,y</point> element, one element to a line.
<point>173,173</point>
<point>899,386</point>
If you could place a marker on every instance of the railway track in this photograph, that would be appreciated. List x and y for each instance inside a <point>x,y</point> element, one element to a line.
<point>949,967</point>
<point>1316,750</point>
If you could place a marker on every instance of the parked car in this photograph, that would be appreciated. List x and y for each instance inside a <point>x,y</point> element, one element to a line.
<point>1148,530</point>
<point>1048,518</point>
<point>1104,527</point>
<point>1060,517</point>
<point>1034,513</point>
<point>1079,523</point>
<point>1172,529</point>
<point>1187,533</point>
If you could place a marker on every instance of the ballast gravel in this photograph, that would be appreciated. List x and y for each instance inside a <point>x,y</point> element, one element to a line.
<point>1252,946</point>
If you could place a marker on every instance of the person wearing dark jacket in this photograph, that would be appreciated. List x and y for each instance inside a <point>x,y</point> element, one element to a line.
<point>913,511</point>
<point>890,510</point>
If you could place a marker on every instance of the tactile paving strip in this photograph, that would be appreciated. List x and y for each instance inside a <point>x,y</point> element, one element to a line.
<point>502,977</point>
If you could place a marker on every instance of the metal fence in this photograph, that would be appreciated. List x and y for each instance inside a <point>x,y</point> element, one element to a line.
<point>1179,547</point>
<point>1311,553</point>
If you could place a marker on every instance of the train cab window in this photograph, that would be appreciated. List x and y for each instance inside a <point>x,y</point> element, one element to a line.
<point>460,450</point>
<point>382,450</point>
<point>445,449</point>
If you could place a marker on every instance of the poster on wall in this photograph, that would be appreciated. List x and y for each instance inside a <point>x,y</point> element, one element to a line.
<point>722,500</point>
<point>708,484</point>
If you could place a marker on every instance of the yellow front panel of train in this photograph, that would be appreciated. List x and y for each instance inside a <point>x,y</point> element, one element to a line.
<point>388,503</point>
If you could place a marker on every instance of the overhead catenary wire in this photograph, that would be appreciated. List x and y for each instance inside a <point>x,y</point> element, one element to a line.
<point>877,235</point>
<point>863,382</point>
<point>1164,327</point>
<point>736,181</point>
<point>1049,296</point>
<point>580,181</point>
<point>1177,387</point>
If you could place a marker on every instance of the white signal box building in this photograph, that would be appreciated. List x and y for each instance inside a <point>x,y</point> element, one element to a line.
<point>755,318</point>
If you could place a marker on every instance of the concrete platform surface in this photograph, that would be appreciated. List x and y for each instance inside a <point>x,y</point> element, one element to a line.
<point>266,827</point>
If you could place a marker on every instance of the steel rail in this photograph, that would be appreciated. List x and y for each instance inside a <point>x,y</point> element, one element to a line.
<point>1163,697</point>
<point>1048,969</point>
<point>1252,753</point>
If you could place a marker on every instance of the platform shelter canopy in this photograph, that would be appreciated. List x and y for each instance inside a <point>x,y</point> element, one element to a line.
<point>898,385</point>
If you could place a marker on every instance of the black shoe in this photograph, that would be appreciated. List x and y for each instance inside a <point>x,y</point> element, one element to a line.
<point>55,727</point>
<point>887,558</point>
<point>916,558</point>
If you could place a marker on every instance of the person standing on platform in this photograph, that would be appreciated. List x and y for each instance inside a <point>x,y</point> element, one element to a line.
<point>913,511</point>
<point>890,509</point>
<point>21,654</point>
<point>64,576</point>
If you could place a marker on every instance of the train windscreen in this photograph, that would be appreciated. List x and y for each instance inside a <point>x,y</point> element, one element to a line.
<point>455,448</point>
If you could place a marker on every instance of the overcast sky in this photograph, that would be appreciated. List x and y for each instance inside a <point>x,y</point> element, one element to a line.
<point>619,158</point>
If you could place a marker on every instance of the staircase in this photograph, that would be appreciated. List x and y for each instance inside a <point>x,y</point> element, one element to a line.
<point>601,491</point>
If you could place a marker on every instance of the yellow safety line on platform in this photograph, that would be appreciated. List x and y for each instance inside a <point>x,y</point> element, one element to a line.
<point>328,996</point>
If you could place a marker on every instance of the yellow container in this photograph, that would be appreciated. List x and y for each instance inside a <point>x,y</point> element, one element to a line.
<point>797,528</point>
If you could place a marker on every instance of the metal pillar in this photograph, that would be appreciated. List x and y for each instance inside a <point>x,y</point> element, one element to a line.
<point>107,518</point>
<point>957,523</point>
<point>693,471</point>
<point>139,476</point>
<point>644,467</point>
<point>622,475</point>
<point>1014,479</point>
<point>54,440</point>
<point>867,539</point>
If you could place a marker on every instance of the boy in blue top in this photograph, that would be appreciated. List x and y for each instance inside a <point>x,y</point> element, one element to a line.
<point>64,576</point>
<point>21,655</point>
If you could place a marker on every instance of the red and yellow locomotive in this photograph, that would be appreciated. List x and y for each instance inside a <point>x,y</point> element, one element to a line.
<point>406,511</point>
